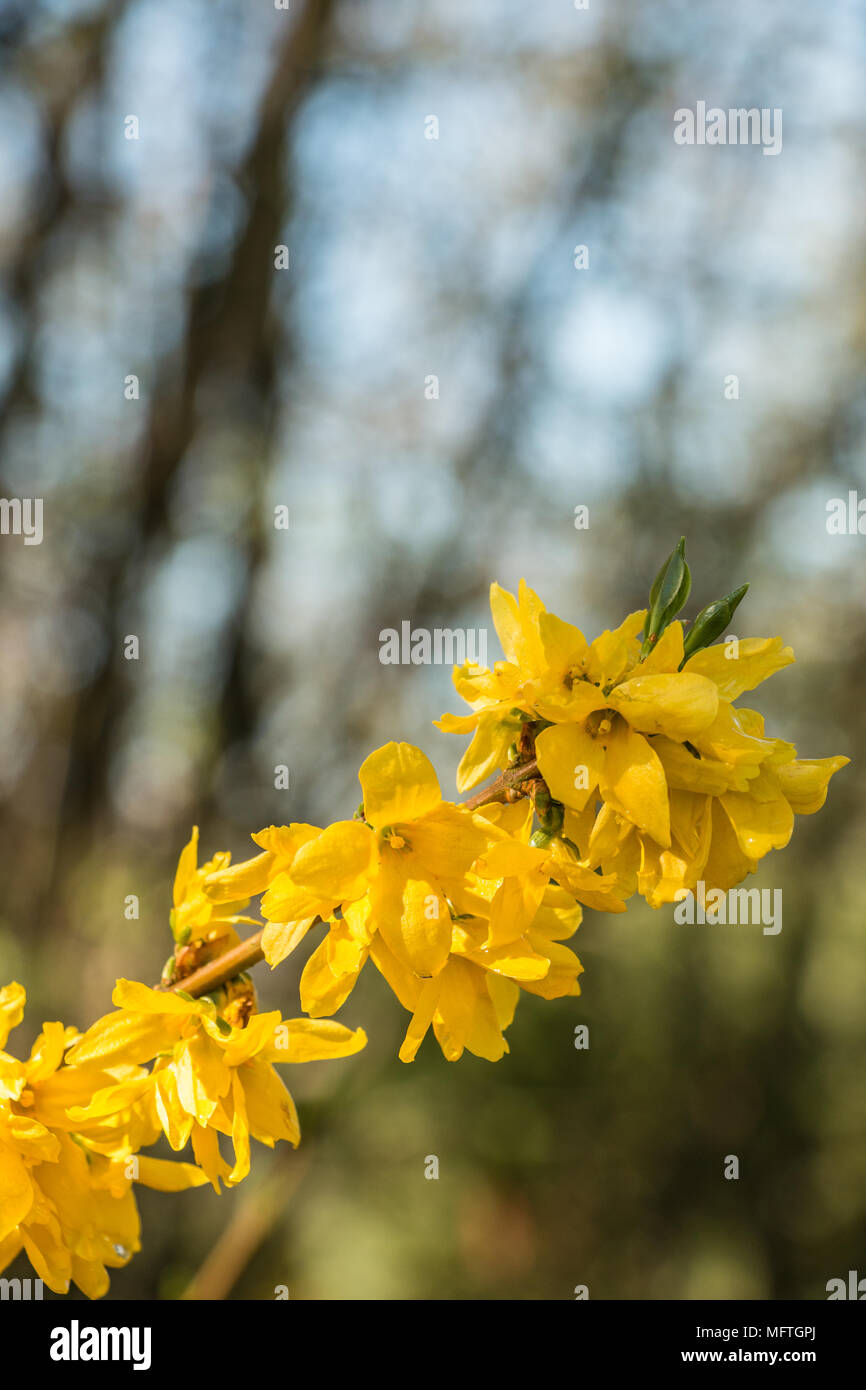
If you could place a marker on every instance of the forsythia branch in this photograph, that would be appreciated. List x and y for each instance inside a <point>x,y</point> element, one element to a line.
<point>249,952</point>
<point>507,781</point>
<point>225,967</point>
<point>643,776</point>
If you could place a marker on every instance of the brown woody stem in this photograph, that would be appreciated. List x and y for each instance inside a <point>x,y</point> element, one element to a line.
<point>506,781</point>
<point>225,967</point>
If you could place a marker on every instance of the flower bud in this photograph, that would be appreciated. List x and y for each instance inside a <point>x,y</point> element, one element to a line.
<point>551,822</point>
<point>540,839</point>
<point>711,622</point>
<point>669,592</point>
<point>169,972</point>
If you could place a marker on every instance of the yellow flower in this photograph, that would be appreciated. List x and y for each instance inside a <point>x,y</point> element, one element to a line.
<point>453,941</point>
<point>472,1000</point>
<point>716,838</point>
<point>395,866</point>
<point>506,936</point>
<point>291,910</point>
<point>651,739</point>
<point>602,702</point>
<point>209,1077</point>
<point>209,900</point>
<point>500,698</point>
<point>68,1205</point>
<point>468,1006</point>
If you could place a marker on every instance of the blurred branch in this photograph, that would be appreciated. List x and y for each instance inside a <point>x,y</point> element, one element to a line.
<point>226,330</point>
<point>250,1225</point>
<point>83,48</point>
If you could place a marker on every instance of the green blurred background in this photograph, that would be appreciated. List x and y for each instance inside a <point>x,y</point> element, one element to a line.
<point>410,258</point>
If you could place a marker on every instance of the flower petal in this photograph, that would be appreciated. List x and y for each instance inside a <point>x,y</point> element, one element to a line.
<point>514,959</point>
<point>517,625</point>
<point>338,864</point>
<point>176,1123</point>
<point>726,863</point>
<point>446,841</point>
<point>633,782</point>
<point>735,669</point>
<point>326,983</point>
<point>122,1036</point>
<point>51,1260</point>
<point>488,751</point>
<point>16,1191</point>
<point>12,1001</point>
<point>571,704</point>
<point>205,1146</point>
<point>506,619</point>
<point>287,903</point>
<point>46,1053</point>
<point>685,772</point>
<point>680,706</point>
<point>564,645</point>
<point>602,892</point>
<point>271,1112</point>
<point>507,857</point>
<point>186,868</point>
<point>399,784</point>
<point>242,881</point>
<point>202,1076</point>
<point>456,723</point>
<point>571,763</point>
<point>167,1175</point>
<point>411,914</point>
<point>466,1016</point>
<point>515,903</point>
<point>279,939</point>
<point>421,1020</point>
<point>243,1043</point>
<point>240,1133</point>
<point>760,824</point>
<point>284,841</point>
<point>129,994</point>
<point>314,1040</point>
<point>613,652</point>
<point>666,655</point>
<point>563,970</point>
<point>403,981</point>
<point>804,782</point>
<point>727,739</point>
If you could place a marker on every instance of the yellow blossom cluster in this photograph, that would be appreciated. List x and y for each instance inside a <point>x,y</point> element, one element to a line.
<point>624,765</point>
<point>75,1116</point>
<point>664,781</point>
<point>66,1193</point>
<point>456,908</point>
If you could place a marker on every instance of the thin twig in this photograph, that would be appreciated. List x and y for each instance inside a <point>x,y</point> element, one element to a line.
<point>253,1221</point>
<point>504,783</point>
<point>223,968</point>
